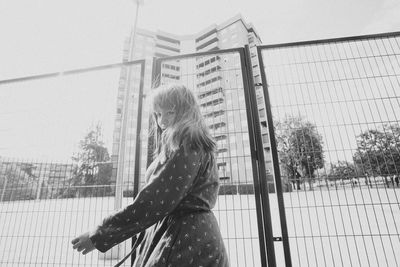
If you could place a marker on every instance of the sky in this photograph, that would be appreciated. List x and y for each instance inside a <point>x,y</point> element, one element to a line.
<point>52,35</point>
<point>45,36</point>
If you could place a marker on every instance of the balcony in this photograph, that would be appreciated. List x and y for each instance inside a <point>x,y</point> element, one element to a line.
<point>211,68</point>
<point>205,61</point>
<point>170,72</point>
<point>214,120</point>
<point>208,79</point>
<point>173,46</point>
<point>215,114</point>
<point>217,125</point>
<point>204,42</point>
<point>209,108</point>
<point>222,147</point>
<point>167,52</point>
<point>211,97</point>
<point>211,104</point>
<point>209,91</point>
<point>210,46</point>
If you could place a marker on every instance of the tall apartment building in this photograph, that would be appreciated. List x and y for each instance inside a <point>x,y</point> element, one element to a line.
<point>145,45</point>
<point>216,79</point>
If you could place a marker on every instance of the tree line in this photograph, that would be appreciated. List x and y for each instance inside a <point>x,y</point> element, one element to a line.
<point>302,156</point>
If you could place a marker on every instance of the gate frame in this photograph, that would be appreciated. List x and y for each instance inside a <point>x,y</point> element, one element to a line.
<point>267,249</point>
<point>121,149</point>
<point>271,131</point>
<point>275,161</point>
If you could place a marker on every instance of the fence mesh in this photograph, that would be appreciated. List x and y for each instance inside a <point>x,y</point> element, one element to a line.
<point>335,107</point>
<point>59,150</point>
<point>68,152</point>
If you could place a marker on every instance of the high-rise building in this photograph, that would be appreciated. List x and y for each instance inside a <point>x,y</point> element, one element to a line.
<point>145,45</point>
<point>211,79</point>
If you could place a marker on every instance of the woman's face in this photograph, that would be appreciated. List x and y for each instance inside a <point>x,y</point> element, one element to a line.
<point>165,118</point>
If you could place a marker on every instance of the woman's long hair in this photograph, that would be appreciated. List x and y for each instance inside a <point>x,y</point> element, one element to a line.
<point>188,127</point>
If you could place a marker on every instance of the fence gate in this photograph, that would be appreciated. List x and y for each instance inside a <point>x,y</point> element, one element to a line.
<point>335,108</point>
<point>222,81</point>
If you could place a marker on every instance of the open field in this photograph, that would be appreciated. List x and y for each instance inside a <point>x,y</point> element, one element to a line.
<point>346,227</point>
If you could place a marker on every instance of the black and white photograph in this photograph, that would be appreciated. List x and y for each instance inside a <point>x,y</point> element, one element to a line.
<point>181,133</point>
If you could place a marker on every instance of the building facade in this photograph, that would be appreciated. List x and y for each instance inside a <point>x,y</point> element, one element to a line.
<point>216,80</point>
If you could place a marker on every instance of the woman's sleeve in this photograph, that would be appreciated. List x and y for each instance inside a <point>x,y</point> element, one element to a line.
<point>166,188</point>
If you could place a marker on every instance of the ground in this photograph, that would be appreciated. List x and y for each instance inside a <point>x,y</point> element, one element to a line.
<point>352,226</point>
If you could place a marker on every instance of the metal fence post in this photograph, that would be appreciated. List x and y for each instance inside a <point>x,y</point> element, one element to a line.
<point>136,178</point>
<point>275,162</point>
<point>261,187</point>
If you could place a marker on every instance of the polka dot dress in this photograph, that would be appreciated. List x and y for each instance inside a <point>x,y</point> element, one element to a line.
<point>173,214</point>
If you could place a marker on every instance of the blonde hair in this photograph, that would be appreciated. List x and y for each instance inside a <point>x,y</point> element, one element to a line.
<point>188,127</point>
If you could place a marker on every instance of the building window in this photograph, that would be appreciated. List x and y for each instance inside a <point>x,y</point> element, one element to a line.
<point>220,137</point>
<point>221,165</point>
<point>265,138</point>
<point>217,125</point>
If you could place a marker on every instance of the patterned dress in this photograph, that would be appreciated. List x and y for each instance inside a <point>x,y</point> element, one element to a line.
<point>173,214</point>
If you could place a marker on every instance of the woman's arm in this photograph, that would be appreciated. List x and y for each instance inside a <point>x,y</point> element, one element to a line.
<point>167,186</point>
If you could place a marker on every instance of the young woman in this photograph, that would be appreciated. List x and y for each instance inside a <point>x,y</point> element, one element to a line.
<point>173,210</point>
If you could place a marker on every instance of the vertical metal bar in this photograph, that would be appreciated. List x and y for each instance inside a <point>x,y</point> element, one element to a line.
<point>156,74</point>
<point>259,172</point>
<point>136,177</point>
<point>243,148</point>
<point>138,144</point>
<point>122,145</point>
<point>155,82</point>
<point>275,162</point>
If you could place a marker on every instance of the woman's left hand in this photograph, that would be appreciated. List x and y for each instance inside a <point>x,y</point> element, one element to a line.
<point>83,243</point>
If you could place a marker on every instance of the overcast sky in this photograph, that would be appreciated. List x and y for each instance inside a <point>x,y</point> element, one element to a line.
<point>50,35</point>
<point>44,36</point>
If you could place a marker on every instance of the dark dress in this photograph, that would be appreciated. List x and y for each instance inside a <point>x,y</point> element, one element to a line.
<point>173,212</point>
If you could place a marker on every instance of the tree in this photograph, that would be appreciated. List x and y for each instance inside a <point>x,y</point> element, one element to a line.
<point>17,181</point>
<point>342,170</point>
<point>300,149</point>
<point>93,167</point>
<point>378,151</point>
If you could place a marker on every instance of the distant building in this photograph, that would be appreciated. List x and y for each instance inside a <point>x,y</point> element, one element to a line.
<point>212,78</point>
